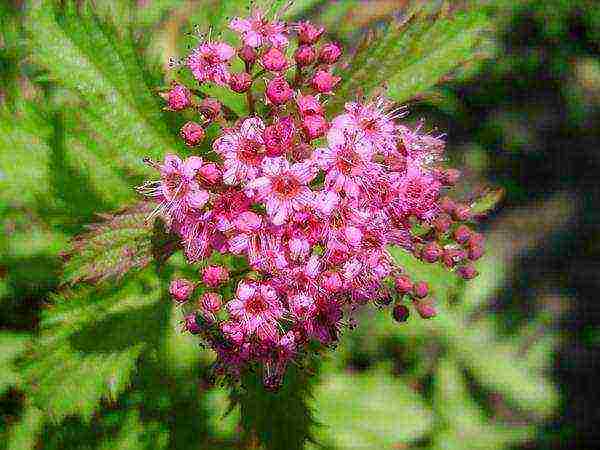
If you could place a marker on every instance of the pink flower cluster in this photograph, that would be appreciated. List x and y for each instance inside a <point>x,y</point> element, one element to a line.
<point>300,208</point>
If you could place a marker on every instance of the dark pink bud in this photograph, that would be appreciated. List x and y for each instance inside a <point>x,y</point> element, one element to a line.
<point>332,282</point>
<point>330,53</point>
<point>279,136</point>
<point>453,256</point>
<point>426,308</point>
<point>274,60</point>
<point>462,234</point>
<point>400,313</point>
<point>210,107</point>
<point>279,91</point>
<point>442,223</point>
<point>403,284</point>
<point>240,82</point>
<point>233,331</point>
<point>247,54</point>
<point>305,55</point>
<point>447,205</point>
<point>309,33</point>
<point>476,239</point>
<point>475,251</point>
<point>386,297</point>
<point>432,252</point>
<point>209,173</point>
<point>190,324</point>
<point>181,289</point>
<point>324,82</point>
<point>461,212</point>
<point>420,289</point>
<point>192,133</point>
<point>211,302</point>
<point>213,276</point>
<point>178,98</point>
<point>309,105</point>
<point>314,126</point>
<point>467,272</point>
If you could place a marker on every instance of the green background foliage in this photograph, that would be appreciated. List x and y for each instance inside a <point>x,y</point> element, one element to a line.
<point>106,366</point>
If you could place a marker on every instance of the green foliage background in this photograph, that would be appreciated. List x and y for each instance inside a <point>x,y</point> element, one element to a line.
<point>105,366</point>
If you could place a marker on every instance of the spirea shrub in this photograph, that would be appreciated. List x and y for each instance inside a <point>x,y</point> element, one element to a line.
<point>299,206</point>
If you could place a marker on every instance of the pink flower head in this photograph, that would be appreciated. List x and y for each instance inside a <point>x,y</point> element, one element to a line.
<point>330,53</point>
<point>324,82</point>
<point>209,174</point>
<point>213,276</point>
<point>242,150</point>
<point>181,289</point>
<point>240,82</point>
<point>309,105</point>
<point>305,55</point>
<point>249,227</point>
<point>274,60</point>
<point>248,54</point>
<point>418,194</point>
<point>314,126</point>
<point>279,91</point>
<point>192,133</point>
<point>255,306</point>
<point>227,206</point>
<point>279,137</point>
<point>257,30</point>
<point>284,188</point>
<point>211,302</point>
<point>178,98</point>
<point>209,62</point>
<point>308,33</point>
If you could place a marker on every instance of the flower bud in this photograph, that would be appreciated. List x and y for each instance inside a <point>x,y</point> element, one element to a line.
<point>279,91</point>
<point>403,284</point>
<point>324,82</point>
<point>211,302</point>
<point>305,55</point>
<point>432,252</point>
<point>178,98</point>
<point>309,33</point>
<point>467,272</point>
<point>301,152</point>
<point>309,105</point>
<point>475,251</point>
<point>476,239</point>
<point>213,276</point>
<point>279,136</point>
<point>181,289</point>
<point>400,313</point>
<point>453,256</point>
<point>192,133</point>
<point>233,332</point>
<point>274,60</point>
<point>462,234</point>
<point>190,324</point>
<point>426,308</point>
<point>442,223</point>
<point>332,282</point>
<point>330,53</point>
<point>461,212</point>
<point>210,107</point>
<point>247,54</point>
<point>314,126</point>
<point>447,205</point>
<point>209,173</point>
<point>451,176</point>
<point>240,82</point>
<point>420,289</point>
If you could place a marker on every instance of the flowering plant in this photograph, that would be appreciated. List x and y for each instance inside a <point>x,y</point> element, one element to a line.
<point>301,205</point>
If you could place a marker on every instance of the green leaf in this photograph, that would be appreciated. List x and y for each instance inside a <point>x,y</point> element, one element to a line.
<point>23,436</point>
<point>369,410</point>
<point>11,346</point>
<point>487,202</point>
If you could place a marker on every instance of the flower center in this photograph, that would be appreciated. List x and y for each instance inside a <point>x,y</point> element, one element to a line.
<point>250,152</point>
<point>256,305</point>
<point>286,186</point>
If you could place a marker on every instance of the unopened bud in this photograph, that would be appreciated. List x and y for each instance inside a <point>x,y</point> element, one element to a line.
<point>211,302</point>
<point>240,82</point>
<point>400,313</point>
<point>210,107</point>
<point>178,98</point>
<point>181,289</point>
<point>214,276</point>
<point>330,53</point>
<point>462,234</point>
<point>309,33</point>
<point>274,60</point>
<point>305,55</point>
<point>247,54</point>
<point>314,126</point>
<point>461,212</point>
<point>420,289</point>
<point>192,133</point>
<point>190,324</point>
<point>324,81</point>
<point>279,91</point>
<point>467,272</point>
<point>432,252</point>
<point>426,308</point>
<point>403,284</point>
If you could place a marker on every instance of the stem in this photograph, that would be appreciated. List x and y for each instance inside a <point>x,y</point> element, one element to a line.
<point>297,78</point>
<point>250,100</point>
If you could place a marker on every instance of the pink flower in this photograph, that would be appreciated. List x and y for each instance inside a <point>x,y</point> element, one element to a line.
<point>314,126</point>
<point>324,82</point>
<point>278,137</point>
<point>192,133</point>
<point>255,306</point>
<point>249,228</point>
<point>309,105</point>
<point>208,62</point>
<point>284,188</point>
<point>214,276</point>
<point>240,82</point>
<point>279,91</point>
<point>257,30</point>
<point>248,54</point>
<point>181,289</point>
<point>227,206</point>
<point>211,302</point>
<point>305,55</point>
<point>308,33</point>
<point>210,108</point>
<point>330,53</point>
<point>178,98</point>
<point>242,150</point>
<point>274,60</point>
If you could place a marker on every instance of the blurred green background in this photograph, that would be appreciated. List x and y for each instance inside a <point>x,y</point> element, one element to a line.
<point>508,364</point>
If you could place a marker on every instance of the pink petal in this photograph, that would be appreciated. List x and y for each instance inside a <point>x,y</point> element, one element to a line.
<point>240,25</point>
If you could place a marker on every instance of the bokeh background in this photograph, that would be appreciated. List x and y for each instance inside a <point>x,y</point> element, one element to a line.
<point>511,361</point>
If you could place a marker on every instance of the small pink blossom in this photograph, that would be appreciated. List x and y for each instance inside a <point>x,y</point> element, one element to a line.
<point>308,33</point>
<point>240,82</point>
<point>330,53</point>
<point>256,306</point>
<point>192,133</point>
<point>211,302</point>
<point>209,62</point>
<point>213,276</point>
<point>305,55</point>
<point>279,91</point>
<point>274,60</point>
<point>309,105</point>
<point>314,126</point>
<point>178,98</point>
<point>181,289</point>
<point>257,30</point>
<point>279,137</point>
<point>324,82</point>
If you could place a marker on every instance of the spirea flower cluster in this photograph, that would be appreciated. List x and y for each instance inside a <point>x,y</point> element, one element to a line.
<point>299,208</point>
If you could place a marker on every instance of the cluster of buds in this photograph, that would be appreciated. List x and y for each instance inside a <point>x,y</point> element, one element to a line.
<point>304,205</point>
